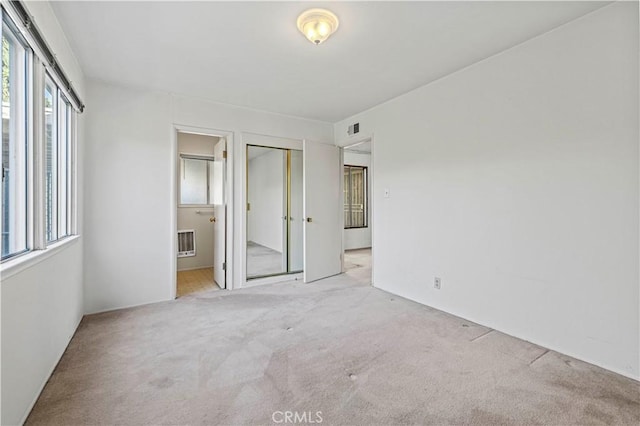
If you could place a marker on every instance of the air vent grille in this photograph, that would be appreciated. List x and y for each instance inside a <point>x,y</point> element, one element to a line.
<point>186,243</point>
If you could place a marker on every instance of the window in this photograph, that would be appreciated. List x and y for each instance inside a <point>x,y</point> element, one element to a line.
<point>355,197</point>
<point>15,143</point>
<point>196,178</point>
<point>37,194</point>
<point>57,113</point>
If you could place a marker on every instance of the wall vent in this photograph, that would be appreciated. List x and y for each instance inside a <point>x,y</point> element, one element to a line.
<point>186,243</point>
<point>353,129</point>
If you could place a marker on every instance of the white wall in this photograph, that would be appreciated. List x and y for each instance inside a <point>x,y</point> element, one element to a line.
<point>265,225</point>
<point>187,217</point>
<point>515,180</point>
<point>41,309</point>
<point>129,159</point>
<point>359,237</point>
<point>41,306</point>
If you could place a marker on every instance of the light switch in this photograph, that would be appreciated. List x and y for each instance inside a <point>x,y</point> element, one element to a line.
<point>387,193</point>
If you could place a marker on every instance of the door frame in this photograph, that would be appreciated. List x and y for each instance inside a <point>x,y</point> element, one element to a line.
<point>179,128</point>
<point>350,142</point>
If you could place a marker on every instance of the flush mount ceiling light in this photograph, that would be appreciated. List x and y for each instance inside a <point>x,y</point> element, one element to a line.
<point>317,24</point>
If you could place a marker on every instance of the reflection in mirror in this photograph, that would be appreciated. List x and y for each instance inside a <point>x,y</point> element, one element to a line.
<point>266,224</point>
<point>274,211</point>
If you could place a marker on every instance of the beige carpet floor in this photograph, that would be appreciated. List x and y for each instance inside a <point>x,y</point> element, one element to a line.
<point>358,258</point>
<point>356,354</point>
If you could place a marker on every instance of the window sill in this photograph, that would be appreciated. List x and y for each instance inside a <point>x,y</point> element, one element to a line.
<point>14,266</point>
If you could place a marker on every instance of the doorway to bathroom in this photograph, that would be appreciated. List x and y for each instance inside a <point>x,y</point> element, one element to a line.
<point>201,213</point>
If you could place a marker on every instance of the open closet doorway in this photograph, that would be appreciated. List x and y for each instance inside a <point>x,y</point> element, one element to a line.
<point>357,237</point>
<point>201,213</point>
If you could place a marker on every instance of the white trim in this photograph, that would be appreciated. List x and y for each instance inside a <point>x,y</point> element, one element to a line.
<point>271,141</point>
<point>355,140</point>
<point>73,190</point>
<point>29,136</point>
<point>372,211</point>
<point>18,264</point>
<point>39,158</point>
<point>275,279</point>
<point>342,268</point>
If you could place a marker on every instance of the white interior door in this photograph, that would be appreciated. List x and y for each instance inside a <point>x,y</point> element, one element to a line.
<point>322,207</point>
<point>218,179</point>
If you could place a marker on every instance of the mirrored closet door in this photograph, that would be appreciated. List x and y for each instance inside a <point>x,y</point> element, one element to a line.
<point>274,211</point>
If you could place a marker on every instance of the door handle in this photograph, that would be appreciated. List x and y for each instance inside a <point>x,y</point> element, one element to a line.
<point>309,219</point>
<point>212,219</point>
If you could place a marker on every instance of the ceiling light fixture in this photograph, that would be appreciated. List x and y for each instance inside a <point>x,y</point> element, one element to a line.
<point>317,24</point>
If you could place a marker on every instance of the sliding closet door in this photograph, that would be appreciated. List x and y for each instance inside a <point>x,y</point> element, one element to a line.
<point>323,205</point>
<point>266,211</point>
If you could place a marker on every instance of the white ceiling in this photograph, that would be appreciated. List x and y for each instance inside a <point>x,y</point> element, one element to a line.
<point>251,54</point>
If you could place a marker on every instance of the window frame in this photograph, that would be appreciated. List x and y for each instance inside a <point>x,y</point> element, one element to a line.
<point>348,190</point>
<point>38,73</point>
<point>62,196</point>
<point>55,174</point>
<point>26,114</point>
<point>209,160</point>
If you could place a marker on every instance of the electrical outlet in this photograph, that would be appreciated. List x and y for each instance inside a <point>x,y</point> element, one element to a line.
<point>436,283</point>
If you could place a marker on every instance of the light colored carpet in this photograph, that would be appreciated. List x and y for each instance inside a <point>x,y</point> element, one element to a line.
<point>357,264</point>
<point>358,258</point>
<point>357,354</point>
